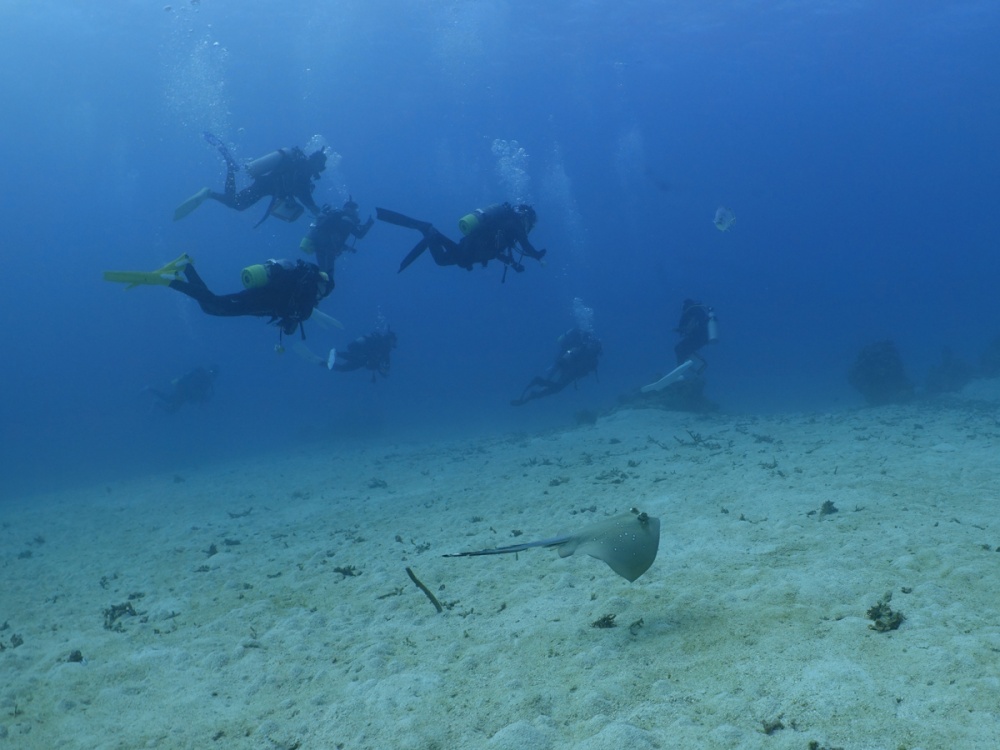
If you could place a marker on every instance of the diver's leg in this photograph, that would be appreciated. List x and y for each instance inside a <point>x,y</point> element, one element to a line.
<point>243,199</point>
<point>444,250</point>
<point>347,362</point>
<point>555,386</point>
<point>257,302</point>
<point>325,259</point>
<point>194,287</point>
<point>217,142</point>
<point>230,182</point>
<point>239,201</point>
<point>229,191</point>
<point>248,196</point>
<point>228,196</point>
<point>527,397</point>
<point>173,403</point>
<point>247,302</point>
<point>684,350</point>
<point>222,198</point>
<point>160,398</point>
<point>532,390</point>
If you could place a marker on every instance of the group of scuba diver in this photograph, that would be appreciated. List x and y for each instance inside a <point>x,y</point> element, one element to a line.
<point>288,292</point>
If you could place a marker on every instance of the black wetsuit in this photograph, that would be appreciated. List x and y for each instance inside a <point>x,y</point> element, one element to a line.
<point>290,181</point>
<point>499,230</point>
<point>578,356</point>
<point>693,330</point>
<point>194,387</point>
<point>371,352</point>
<point>288,298</point>
<point>329,234</point>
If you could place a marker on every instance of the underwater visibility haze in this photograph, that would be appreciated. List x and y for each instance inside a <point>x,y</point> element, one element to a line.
<point>823,174</point>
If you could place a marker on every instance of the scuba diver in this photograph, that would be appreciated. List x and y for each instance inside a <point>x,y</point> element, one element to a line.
<point>282,290</point>
<point>286,175</point>
<point>328,234</point>
<point>488,234</point>
<point>579,351</point>
<point>697,326</point>
<point>370,351</point>
<point>194,387</point>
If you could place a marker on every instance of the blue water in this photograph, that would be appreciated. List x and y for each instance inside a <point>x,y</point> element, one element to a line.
<point>855,142</point>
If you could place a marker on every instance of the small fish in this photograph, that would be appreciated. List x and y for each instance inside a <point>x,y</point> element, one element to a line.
<point>724,219</point>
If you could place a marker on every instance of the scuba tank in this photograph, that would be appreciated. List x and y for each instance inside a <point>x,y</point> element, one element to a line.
<point>255,276</point>
<point>468,223</point>
<point>713,327</point>
<point>260,274</point>
<point>318,230</point>
<point>266,163</point>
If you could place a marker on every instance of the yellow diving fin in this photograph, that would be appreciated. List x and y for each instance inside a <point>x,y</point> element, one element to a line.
<point>191,204</point>
<point>173,271</point>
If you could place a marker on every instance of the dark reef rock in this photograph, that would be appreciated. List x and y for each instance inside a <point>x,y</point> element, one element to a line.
<point>879,376</point>
<point>684,395</point>
<point>951,375</point>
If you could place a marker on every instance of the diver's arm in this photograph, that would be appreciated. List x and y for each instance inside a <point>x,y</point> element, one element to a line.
<point>526,247</point>
<point>360,231</point>
<point>303,191</point>
<point>305,197</point>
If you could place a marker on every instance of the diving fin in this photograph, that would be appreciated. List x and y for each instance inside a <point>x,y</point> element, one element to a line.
<point>392,217</point>
<point>331,359</point>
<point>307,354</point>
<point>413,254</point>
<point>326,321</point>
<point>677,374</point>
<point>270,207</point>
<point>214,140</point>
<point>191,204</point>
<point>172,271</point>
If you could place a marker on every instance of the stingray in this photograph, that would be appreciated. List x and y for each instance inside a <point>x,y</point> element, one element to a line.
<point>626,542</point>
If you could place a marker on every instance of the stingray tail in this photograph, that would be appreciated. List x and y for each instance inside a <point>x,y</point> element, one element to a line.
<point>554,542</point>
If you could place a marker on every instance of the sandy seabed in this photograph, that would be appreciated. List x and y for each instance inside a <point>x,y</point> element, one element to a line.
<point>267,605</point>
